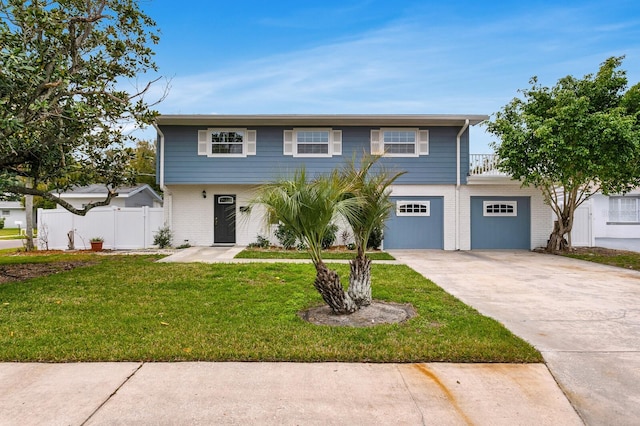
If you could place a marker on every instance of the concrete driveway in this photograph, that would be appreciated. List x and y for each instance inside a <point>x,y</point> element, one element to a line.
<point>583,317</point>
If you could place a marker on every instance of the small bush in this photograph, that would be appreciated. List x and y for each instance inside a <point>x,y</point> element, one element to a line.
<point>1,222</point>
<point>329,236</point>
<point>286,236</point>
<point>375,239</point>
<point>163,237</point>
<point>261,242</point>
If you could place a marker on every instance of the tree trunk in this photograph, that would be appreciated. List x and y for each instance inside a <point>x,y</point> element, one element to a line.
<point>557,242</point>
<point>360,281</point>
<point>328,285</point>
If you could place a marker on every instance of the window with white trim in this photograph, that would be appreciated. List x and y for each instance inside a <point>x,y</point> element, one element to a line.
<point>6,213</point>
<point>413,208</point>
<point>226,142</point>
<point>624,209</point>
<point>500,208</point>
<point>400,142</point>
<point>312,142</point>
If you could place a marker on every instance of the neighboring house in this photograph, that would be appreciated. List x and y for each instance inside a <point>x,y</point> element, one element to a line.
<point>134,196</point>
<point>13,213</point>
<point>210,165</point>
<point>607,217</point>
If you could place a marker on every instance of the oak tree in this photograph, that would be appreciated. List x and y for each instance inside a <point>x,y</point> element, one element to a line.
<point>67,99</point>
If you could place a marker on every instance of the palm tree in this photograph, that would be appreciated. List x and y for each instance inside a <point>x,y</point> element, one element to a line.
<point>372,210</point>
<point>309,208</point>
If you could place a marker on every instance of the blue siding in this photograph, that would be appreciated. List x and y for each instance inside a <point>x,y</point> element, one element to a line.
<point>184,166</point>
<point>501,232</point>
<point>416,232</point>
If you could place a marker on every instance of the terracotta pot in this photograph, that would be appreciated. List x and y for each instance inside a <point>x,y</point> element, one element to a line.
<point>96,245</point>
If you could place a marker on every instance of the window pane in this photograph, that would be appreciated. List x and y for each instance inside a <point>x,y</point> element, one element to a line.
<point>227,142</point>
<point>309,148</point>
<point>400,148</point>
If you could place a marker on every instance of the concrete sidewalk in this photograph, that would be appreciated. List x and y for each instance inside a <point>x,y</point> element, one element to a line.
<point>281,394</point>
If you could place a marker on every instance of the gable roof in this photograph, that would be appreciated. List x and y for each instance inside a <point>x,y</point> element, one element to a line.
<point>321,119</point>
<point>99,190</point>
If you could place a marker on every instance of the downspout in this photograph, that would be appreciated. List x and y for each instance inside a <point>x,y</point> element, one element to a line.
<point>457,209</point>
<point>160,154</point>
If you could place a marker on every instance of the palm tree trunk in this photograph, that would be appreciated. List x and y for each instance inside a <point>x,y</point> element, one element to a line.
<point>328,285</point>
<point>360,281</point>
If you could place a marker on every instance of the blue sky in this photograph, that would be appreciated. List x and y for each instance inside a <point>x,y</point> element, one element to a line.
<point>371,56</point>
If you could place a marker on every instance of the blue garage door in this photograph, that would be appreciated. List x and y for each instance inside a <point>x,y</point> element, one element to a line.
<point>500,223</point>
<point>415,223</point>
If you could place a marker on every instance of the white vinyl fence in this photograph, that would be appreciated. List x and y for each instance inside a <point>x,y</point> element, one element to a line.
<point>120,227</point>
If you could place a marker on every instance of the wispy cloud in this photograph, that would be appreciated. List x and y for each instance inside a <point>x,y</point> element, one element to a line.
<point>411,65</point>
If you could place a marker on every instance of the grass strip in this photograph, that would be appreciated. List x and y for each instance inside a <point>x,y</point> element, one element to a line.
<point>257,253</point>
<point>129,308</point>
<point>619,258</point>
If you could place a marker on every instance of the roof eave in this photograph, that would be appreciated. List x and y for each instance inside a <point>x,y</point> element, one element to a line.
<point>395,120</point>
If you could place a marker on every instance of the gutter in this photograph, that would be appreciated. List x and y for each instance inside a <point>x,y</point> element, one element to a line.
<point>457,208</point>
<point>160,156</point>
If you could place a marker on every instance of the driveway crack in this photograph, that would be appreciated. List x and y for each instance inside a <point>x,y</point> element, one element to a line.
<point>112,394</point>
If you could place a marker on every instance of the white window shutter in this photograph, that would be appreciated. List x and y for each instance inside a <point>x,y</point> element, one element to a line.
<point>376,144</point>
<point>423,142</point>
<point>251,142</point>
<point>203,146</point>
<point>287,147</point>
<point>337,142</point>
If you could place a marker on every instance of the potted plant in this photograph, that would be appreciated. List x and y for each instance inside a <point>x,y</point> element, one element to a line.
<point>96,243</point>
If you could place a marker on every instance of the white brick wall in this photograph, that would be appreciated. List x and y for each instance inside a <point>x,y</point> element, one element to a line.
<point>191,216</point>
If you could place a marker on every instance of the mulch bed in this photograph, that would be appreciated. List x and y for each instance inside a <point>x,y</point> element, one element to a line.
<point>25,271</point>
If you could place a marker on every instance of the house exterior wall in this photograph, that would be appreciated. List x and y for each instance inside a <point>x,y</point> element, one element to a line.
<point>12,212</point>
<point>602,227</point>
<point>185,175</point>
<point>183,165</point>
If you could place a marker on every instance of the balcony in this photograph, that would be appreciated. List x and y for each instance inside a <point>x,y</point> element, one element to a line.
<point>483,168</point>
<point>484,165</point>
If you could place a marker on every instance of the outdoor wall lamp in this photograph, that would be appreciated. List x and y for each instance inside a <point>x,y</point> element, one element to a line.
<point>204,194</point>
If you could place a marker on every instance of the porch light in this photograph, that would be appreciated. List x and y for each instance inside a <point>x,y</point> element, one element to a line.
<point>204,194</point>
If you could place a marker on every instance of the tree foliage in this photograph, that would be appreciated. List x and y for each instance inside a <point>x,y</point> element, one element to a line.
<point>63,113</point>
<point>572,140</point>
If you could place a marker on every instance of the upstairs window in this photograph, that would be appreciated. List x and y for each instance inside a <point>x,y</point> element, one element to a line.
<point>500,208</point>
<point>226,142</point>
<point>312,142</point>
<point>400,142</point>
<point>624,209</point>
<point>413,208</point>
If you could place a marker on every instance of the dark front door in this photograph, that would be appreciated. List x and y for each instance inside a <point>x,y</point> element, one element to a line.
<point>224,219</point>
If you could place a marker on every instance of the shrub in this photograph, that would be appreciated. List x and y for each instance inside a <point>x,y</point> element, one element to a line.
<point>375,239</point>
<point>330,236</point>
<point>261,242</point>
<point>163,237</point>
<point>1,222</point>
<point>286,236</point>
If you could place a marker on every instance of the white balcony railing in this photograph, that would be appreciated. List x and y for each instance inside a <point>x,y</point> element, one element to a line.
<point>484,165</point>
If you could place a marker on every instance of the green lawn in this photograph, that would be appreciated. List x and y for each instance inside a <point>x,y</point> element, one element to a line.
<point>10,233</point>
<point>257,253</point>
<point>620,258</point>
<point>128,308</point>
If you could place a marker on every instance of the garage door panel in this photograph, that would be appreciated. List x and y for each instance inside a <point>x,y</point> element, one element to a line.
<point>500,223</point>
<point>416,232</point>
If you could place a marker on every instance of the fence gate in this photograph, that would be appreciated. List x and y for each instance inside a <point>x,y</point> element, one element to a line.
<point>581,233</point>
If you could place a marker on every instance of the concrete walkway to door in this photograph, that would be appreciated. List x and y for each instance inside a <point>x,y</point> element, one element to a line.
<point>583,317</point>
